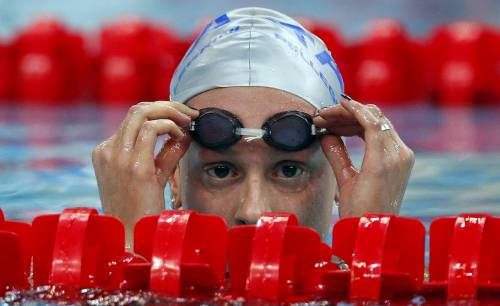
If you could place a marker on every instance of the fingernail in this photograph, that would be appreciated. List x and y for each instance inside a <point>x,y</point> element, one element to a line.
<point>179,137</point>
<point>324,108</point>
<point>316,113</point>
<point>346,97</point>
<point>195,110</point>
<point>185,115</point>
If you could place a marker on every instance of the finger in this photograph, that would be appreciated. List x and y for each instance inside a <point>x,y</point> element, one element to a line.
<point>169,155</point>
<point>322,122</point>
<point>336,154</point>
<point>375,110</point>
<point>386,154</point>
<point>391,132</point>
<point>339,129</point>
<point>371,124</point>
<point>337,113</point>
<point>150,111</point>
<point>191,112</point>
<point>142,112</point>
<point>346,131</point>
<point>337,118</point>
<point>146,141</point>
<point>384,122</point>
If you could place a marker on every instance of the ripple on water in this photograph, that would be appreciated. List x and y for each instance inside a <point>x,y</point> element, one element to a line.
<point>56,295</point>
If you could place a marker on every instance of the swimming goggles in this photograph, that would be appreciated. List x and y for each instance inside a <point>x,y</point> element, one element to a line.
<point>287,131</point>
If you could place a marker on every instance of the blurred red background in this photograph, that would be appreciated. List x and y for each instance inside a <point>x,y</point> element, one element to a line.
<point>131,59</point>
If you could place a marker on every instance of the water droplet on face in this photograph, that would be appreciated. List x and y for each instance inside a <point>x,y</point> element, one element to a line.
<point>397,147</point>
<point>127,147</point>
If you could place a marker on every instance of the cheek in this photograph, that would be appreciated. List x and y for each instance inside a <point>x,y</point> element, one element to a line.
<point>313,204</point>
<point>196,196</point>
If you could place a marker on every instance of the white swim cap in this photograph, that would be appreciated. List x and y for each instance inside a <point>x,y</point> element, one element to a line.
<point>258,47</point>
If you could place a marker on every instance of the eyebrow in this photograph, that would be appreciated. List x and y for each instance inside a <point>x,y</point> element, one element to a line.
<point>229,152</point>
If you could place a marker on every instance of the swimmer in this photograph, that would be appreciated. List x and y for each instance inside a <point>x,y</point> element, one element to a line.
<point>255,123</point>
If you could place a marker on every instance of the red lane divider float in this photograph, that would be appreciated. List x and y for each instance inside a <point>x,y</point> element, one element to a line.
<point>495,84</point>
<point>50,63</point>
<point>137,60</point>
<point>387,65</point>
<point>124,68</point>
<point>133,60</point>
<point>464,257</point>
<point>385,253</point>
<point>184,254</point>
<point>77,249</point>
<point>15,254</point>
<point>462,58</point>
<point>276,259</point>
<point>6,71</point>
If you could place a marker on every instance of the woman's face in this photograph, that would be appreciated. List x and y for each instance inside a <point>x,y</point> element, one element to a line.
<point>250,178</point>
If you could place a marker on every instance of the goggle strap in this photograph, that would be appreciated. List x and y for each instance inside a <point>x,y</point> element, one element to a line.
<point>192,126</point>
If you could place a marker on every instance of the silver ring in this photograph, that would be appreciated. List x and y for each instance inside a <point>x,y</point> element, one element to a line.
<point>385,126</point>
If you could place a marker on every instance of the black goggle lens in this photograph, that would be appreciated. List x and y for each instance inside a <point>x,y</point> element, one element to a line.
<point>215,129</point>
<point>290,133</point>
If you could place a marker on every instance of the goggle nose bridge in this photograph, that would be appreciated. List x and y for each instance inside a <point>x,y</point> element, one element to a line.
<point>250,132</point>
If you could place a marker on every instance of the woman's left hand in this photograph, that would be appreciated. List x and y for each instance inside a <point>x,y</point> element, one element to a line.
<point>379,186</point>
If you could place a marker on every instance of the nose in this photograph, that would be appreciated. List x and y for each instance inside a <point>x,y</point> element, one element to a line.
<point>255,201</point>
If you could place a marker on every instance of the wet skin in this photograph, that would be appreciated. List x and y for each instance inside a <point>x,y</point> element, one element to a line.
<point>250,178</point>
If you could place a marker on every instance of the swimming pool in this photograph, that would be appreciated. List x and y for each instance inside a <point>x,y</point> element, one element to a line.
<point>45,163</point>
<point>45,158</point>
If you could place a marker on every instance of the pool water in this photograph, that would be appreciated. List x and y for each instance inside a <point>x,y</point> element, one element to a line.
<point>45,158</point>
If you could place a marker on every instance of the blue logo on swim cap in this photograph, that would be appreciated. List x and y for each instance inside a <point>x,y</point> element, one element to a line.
<point>299,31</point>
<point>326,58</point>
<point>218,22</point>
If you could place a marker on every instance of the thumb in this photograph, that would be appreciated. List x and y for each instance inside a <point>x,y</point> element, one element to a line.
<point>336,154</point>
<point>169,155</point>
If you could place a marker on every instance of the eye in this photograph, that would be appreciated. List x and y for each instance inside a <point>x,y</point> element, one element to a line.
<point>289,170</point>
<point>220,171</point>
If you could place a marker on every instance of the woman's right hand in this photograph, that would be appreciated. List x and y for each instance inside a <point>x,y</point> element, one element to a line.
<point>131,179</point>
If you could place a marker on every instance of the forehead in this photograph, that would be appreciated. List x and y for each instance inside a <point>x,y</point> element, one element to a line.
<point>253,105</point>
